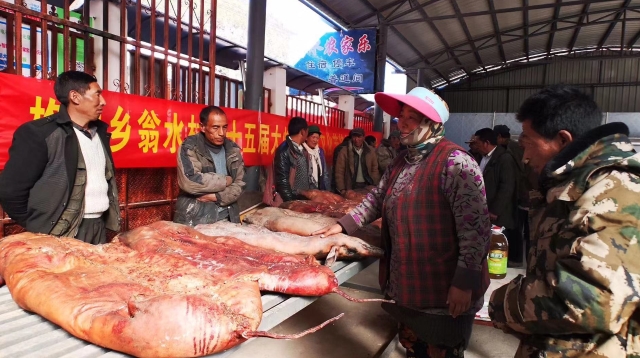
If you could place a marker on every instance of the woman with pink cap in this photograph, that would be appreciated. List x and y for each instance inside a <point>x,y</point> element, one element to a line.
<point>435,229</point>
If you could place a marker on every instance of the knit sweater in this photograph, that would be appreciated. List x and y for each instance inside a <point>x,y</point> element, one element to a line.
<point>96,199</point>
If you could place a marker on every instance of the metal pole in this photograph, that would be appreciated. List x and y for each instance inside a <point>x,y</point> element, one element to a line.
<point>381,62</point>
<point>255,54</point>
<point>324,109</point>
<point>420,78</point>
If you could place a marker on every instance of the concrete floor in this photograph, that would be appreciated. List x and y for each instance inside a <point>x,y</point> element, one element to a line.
<point>365,331</point>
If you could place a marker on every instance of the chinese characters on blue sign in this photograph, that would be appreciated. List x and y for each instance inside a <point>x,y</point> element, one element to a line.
<point>345,59</point>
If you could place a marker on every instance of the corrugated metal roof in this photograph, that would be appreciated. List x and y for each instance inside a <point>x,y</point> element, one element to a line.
<point>434,33</point>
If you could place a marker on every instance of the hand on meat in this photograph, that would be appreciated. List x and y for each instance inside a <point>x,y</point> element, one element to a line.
<point>328,231</point>
<point>208,197</point>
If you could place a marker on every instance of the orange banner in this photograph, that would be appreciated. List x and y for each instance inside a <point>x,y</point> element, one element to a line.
<point>147,132</point>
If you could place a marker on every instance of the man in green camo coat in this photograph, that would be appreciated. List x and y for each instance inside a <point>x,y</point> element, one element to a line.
<point>580,295</point>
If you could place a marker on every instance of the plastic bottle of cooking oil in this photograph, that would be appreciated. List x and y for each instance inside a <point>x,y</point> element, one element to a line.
<point>498,254</point>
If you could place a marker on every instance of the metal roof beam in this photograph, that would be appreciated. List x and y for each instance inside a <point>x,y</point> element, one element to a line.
<point>496,28</point>
<point>525,21</point>
<point>394,21</point>
<point>467,33</point>
<point>583,17</point>
<point>366,17</point>
<point>606,35</point>
<point>390,19</point>
<point>539,34</point>
<point>422,57</point>
<point>543,24</point>
<point>633,40</point>
<point>435,30</point>
<point>554,27</point>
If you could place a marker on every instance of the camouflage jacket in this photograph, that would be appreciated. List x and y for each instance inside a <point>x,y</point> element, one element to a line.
<point>582,288</point>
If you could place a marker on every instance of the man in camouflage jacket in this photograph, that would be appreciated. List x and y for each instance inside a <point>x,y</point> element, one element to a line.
<point>580,295</point>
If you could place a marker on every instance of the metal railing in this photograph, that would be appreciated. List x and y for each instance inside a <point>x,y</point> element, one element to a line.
<point>312,112</point>
<point>363,121</point>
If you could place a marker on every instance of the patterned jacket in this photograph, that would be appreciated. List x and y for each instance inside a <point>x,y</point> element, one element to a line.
<point>580,295</point>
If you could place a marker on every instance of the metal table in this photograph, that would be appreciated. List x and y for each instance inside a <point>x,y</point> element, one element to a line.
<point>25,334</point>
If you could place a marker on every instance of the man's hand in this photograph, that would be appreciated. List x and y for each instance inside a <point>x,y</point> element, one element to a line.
<point>348,193</point>
<point>229,180</point>
<point>208,198</point>
<point>328,231</point>
<point>458,300</point>
<point>493,217</point>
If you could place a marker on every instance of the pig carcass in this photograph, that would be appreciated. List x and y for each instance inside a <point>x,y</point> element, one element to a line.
<point>142,303</point>
<point>228,257</point>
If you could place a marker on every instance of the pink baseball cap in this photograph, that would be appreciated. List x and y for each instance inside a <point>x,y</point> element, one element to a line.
<point>421,99</point>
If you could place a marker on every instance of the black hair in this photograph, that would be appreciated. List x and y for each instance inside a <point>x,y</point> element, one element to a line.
<point>559,108</point>
<point>487,135</point>
<point>370,139</point>
<point>207,111</point>
<point>72,81</point>
<point>296,124</point>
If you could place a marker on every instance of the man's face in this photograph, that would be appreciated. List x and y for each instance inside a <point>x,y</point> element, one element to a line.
<point>304,133</point>
<point>473,144</point>
<point>312,140</point>
<point>91,103</point>
<point>538,150</point>
<point>357,140</point>
<point>483,147</point>
<point>216,128</point>
<point>395,142</point>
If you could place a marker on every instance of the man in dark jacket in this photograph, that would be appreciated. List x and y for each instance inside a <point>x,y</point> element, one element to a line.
<point>210,173</point>
<point>290,164</point>
<point>499,170</point>
<point>524,185</point>
<point>357,164</point>
<point>60,178</point>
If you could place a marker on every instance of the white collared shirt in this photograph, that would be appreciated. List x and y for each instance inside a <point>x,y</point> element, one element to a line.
<point>486,158</point>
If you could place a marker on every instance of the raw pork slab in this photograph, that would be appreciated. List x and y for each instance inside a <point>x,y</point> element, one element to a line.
<point>141,303</point>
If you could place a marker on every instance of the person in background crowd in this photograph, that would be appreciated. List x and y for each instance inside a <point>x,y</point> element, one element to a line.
<point>435,230</point>
<point>60,178</point>
<point>388,151</point>
<point>290,163</point>
<point>500,173</point>
<point>371,141</point>
<point>210,173</point>
<point>524,185</point>
<point>473,150</point>
<point>357,164</point>
<point>336,151</point>
<point>315,157</point>
<point>579,297</point>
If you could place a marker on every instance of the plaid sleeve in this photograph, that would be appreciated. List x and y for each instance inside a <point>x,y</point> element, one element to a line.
<point>463,186</point>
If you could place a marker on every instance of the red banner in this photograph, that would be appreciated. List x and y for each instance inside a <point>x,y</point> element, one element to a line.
<point>147,132</point>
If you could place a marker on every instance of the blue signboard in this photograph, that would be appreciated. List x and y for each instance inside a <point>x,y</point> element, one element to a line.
<point>346,59</point>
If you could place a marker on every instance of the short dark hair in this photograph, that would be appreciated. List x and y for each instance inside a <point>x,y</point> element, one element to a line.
<point>559,108</point>
<point>72,81</point>
<point>207,111</point>
<point>370,139</point>
<point>487,135</point>
<point>296,124</point>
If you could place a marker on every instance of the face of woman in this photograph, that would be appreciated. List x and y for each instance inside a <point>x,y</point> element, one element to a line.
<point>312,140</point>
<point>409,120</point>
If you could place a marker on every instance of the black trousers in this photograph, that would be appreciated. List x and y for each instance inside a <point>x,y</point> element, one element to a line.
<point>514,236</point>
<point>92,231</point>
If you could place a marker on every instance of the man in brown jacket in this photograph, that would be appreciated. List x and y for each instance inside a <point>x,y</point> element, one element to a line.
<point>388,151</point>
<point>357,164</point>
<point>210,173</point>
